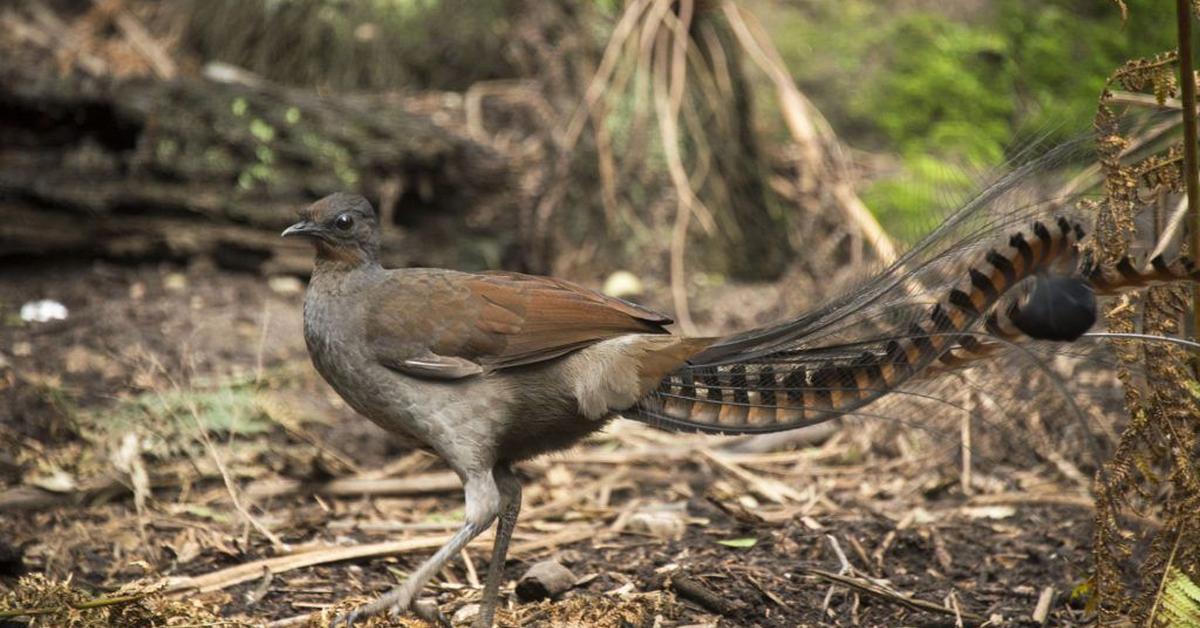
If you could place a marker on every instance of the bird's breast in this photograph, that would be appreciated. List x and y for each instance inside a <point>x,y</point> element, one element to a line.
<point>428,413</point>
<point>339,352</point>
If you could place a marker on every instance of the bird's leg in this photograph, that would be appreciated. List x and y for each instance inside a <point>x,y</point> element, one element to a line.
<point>482,504</point>
<point>510,508</point>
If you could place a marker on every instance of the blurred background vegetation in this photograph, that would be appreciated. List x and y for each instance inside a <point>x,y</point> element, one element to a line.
<point>912,101</point>
<point>927,91</point>
<point>944,87</point>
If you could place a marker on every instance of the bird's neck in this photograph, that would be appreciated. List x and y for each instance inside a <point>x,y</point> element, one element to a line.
<point>333,277</point>
<point>334,260</point>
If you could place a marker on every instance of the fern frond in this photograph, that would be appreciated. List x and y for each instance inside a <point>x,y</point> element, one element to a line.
<point>1180,600</point>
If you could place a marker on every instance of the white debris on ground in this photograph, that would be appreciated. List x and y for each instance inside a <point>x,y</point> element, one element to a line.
<point>43,311</point>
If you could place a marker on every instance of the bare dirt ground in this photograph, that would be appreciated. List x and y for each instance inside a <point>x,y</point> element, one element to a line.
<point>127,430</point>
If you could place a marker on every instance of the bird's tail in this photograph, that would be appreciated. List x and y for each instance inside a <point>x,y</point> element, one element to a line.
<point>1038,287</point>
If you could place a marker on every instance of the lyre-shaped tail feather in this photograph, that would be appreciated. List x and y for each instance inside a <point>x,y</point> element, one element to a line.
<point>1124,275</point>
<point>1010,324</point>
<point>794,385</point>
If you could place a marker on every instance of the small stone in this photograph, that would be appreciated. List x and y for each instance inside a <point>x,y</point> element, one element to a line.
<point>661,524</point>
<point>175,282</point>
<point>623,283</point>
<point>4,363</point>
<point>285,284</point>
<point>22,349</point>
<point>569,556</point>
<point>546,579</point>
<point>465,615</point>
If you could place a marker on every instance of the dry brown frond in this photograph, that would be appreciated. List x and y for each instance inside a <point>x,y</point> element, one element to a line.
<point>1153,473</point>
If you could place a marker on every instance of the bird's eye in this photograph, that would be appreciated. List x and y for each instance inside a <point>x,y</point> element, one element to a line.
<point>343,222</point>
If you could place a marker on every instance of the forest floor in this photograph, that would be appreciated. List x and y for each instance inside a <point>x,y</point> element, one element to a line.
<point>168,390</point>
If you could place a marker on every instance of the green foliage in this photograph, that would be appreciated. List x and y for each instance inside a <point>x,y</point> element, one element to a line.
<point>175,415</point>
<point>955,86</point>
<point>1180,600</point>
<point>912,198</point>
<point>945,93</point>
<point>1064,50</point>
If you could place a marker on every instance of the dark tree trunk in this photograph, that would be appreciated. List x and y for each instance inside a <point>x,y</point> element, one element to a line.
<point>753,229</point>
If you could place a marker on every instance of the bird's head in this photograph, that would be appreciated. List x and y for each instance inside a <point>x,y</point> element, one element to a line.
<point>343,227</point>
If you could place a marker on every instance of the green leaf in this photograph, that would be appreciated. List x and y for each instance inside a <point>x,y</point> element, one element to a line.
<point>204,512</point>
<point>261,130</point>
<point>1193,387</point>
<point>744,542</point>
<point>1082,591</point>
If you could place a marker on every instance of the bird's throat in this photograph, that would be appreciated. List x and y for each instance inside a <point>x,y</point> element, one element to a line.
<point>339,258</point>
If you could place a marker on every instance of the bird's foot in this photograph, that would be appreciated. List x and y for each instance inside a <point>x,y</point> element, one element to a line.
<point>428,611</point>
<point>346,620</point>
<point>398,601</point>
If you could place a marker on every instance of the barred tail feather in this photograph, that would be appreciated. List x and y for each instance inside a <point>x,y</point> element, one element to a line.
<point>732,388</point>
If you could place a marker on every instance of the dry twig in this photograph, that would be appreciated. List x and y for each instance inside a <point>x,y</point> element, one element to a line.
<point>887,594</point>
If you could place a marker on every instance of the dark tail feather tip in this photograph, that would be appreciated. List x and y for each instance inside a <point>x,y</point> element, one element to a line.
<point>1059,308</point>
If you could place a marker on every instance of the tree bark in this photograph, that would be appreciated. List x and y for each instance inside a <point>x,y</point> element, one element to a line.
<point>753,227</point>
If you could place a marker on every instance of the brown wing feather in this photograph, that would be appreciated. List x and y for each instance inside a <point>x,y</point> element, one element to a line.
<point>497,320</point>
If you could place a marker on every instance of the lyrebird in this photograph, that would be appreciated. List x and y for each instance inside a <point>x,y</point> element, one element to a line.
<point>488,369</point>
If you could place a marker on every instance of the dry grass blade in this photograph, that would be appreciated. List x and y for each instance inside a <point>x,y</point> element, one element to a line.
<point>224,578</point>
<point>231,485</point>
<point>687,203</point>
<point>140,39</point>
<point>889,595</point>
<point>608,62</point>
<point>441,482</point>
<point>1041,612</point>
<point>1173,224</point>
<point>81,606</point>
<point>1162,583</point>
<point>772,490</point>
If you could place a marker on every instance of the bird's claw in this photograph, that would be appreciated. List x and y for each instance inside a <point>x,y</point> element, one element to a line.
<point>346,620</point>
<point>423,609</point>
<point>430,612</point>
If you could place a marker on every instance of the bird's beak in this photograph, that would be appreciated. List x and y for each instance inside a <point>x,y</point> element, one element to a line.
<point>302,228</point>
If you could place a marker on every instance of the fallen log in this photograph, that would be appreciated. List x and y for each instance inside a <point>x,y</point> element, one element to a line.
<point>195,166</point>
